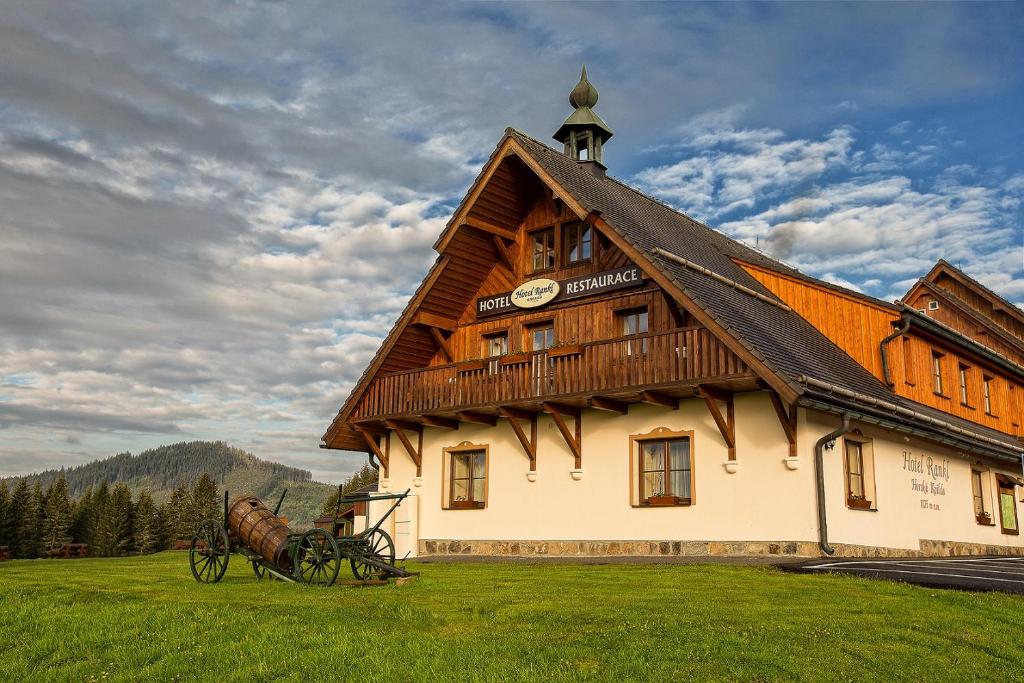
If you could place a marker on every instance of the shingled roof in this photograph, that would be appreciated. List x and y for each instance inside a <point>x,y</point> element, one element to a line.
<point>783,340</point>
<point>787,343</point>
<point>789,346</point>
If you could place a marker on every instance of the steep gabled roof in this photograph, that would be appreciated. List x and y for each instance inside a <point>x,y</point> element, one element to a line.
<point>948,298</point>
<point>944,267</point>
<point>783,347</point>
<point>786,343</point>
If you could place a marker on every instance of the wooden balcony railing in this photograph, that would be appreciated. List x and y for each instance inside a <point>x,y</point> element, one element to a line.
<point>686,356</point>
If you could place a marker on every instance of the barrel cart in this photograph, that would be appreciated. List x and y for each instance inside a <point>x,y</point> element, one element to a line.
<point>314,557</point>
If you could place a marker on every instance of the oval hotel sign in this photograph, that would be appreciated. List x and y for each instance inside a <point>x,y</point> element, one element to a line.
<point>534,293</point>
<point>542,291</point>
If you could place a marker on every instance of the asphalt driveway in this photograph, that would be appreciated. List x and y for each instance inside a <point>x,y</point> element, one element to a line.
<point>990,573</point>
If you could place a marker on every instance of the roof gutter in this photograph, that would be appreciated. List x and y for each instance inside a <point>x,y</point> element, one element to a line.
<point>826,442</point>
<point>883,348</point>
<point>956,436</point>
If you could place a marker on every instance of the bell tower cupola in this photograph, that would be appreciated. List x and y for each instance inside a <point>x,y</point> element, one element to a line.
<point>584,133</point>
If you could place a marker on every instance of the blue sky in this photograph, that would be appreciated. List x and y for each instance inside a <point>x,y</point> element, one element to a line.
<point>212,213</point>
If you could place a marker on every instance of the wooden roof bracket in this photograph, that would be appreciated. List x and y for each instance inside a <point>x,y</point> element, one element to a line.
<point>529,443</point>
<point>573,439</point>
<point>726,423</point>
<point>415,452</point>
<point>371,441</point>
<point>442,343</point>
<point>503,254</point>
<point>787,418</point>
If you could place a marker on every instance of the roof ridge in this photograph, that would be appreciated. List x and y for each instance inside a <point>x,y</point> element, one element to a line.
<point>668,207</point>
<point>1014,307</point>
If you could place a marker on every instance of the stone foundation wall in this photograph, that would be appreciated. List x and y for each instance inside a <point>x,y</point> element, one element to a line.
<point>928,548</point>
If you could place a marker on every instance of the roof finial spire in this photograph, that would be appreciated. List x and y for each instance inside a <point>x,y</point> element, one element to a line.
<point>584,94</point>
<point>584,133</point>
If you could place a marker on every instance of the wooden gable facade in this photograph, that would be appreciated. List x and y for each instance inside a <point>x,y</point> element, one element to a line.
<point>439,365</point>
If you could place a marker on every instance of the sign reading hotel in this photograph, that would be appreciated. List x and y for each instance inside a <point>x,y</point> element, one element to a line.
<point>536,293</point>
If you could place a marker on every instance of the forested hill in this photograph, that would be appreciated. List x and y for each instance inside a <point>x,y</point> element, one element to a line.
<point>162,469</point>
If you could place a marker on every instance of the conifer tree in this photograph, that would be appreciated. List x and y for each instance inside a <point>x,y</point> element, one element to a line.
<point>146,524</point>
<point>204,500</point>
<point>100,501</point>
<point>81,528</point>
<point>21,501</point>
<point>57,515</point>
<point>114,526</point>
<point>29,533</point>
<point>164,527</point>
<point>179,514</point>
<point>5,515</point>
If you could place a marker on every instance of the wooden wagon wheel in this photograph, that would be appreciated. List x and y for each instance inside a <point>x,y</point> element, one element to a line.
<point>381,548</point>
<point>259,570</point>
<point>317,558</point>
<point>209,553</point>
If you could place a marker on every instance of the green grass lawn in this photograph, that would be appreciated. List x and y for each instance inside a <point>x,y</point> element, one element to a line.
<point>146,618</point>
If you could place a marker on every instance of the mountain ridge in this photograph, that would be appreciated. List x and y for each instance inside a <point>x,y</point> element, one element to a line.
<point>159,470</point>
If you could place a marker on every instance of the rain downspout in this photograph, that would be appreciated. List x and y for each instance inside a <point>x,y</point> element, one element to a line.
<point>373,464</point>
<point>819,476</point>
<point>902,329</point>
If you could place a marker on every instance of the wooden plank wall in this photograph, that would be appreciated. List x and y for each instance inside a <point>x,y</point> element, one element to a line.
<point>981,304</point>
<point>917,383</point>
<point>965,325</point>
<point>853,324</point>
<point>858,326</point>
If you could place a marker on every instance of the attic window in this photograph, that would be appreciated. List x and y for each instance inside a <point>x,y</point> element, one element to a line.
<point>933,305</point>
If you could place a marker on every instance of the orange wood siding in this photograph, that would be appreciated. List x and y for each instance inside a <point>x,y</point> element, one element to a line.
<point>981,303</point>
<point>858,326</point>
<point>918,385</point>
<point>853,324</point>
<point>962,323</point>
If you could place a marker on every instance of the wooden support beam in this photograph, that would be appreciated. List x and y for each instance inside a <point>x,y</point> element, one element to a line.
<point>574,440</point>
<point>503,255</point>
<point>726,423</point>
<point>442,343</point>
<point>517,413</point>
<point>492,228</point>
<point>371,441</point>
<point>609,404</point>
<point>529,443</point>
<point>659,399</point>
<point>478,418</point>
<point>436,421</point>
<point>415,452</point>
<point>787,418</point>
<point>433,320</point>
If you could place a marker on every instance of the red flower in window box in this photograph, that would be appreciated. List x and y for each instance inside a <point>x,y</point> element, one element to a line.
<point>859,503</point>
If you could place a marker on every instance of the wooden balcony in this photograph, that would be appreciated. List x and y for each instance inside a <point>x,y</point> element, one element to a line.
<point>629,369</point>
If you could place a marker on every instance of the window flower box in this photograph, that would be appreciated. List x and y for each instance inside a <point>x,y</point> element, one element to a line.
<point>859,503</point>
<point>984,518</point>
<point>664,501</point>
<point>467,505</point>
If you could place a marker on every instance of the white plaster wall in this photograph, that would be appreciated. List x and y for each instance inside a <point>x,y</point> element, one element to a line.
<point>901,521</point>
<point>762,501</point>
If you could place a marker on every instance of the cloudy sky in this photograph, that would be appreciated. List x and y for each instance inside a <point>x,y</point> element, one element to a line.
<point>211,213</point>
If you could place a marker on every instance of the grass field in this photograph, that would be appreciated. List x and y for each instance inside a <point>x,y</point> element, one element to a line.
<point>146,619</point>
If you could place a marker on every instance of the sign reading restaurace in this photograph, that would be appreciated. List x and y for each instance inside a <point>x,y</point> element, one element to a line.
<point>537,293</point>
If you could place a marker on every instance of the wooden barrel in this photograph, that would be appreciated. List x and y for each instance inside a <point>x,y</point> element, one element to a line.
<point>260,530</point>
